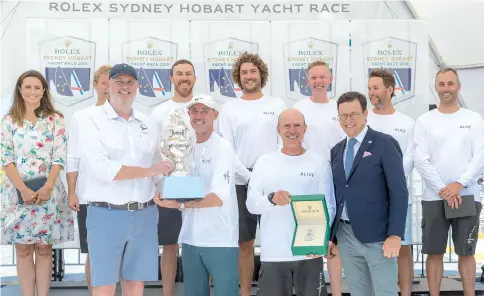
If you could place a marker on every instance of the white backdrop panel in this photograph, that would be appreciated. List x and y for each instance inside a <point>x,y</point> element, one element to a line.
<point>294,45</point>
<point>67,52</point>
<point>214,48</point>
<point>471,81</point>
<point>398,45</point>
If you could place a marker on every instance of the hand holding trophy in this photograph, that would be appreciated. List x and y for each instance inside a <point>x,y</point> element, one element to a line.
<point>177,146</point>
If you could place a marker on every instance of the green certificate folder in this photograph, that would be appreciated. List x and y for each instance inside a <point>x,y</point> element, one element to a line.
<point>311,234</point>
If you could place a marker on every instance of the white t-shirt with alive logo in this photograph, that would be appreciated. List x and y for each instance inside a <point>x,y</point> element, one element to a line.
<point>400,127</point>
<point>323,128</point>
<point>449,148</point>
<point>216,226</point>
<point>305,174</point>
<point>250,126</point>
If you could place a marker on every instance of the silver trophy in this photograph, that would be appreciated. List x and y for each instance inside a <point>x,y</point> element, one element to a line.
<point>177,146</point>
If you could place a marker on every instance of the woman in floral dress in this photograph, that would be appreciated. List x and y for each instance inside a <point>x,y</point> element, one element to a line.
<point>33,145</point>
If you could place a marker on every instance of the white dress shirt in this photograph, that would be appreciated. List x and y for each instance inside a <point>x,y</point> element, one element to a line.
<point>74,163</point>
<point>110,142</point>
<point>359,139</point>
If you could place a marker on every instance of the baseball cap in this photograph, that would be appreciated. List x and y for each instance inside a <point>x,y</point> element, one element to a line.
<point>204,100</point>
<point>122,69</point>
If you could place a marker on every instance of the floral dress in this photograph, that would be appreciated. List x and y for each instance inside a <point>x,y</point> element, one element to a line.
<point>34,148</point>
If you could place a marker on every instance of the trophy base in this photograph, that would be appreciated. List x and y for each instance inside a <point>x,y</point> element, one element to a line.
<point>183,188</point>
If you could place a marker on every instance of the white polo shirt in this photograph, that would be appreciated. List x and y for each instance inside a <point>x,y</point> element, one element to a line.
<point>110,142</point>
<point>216,226</point>
<point>74,163</point>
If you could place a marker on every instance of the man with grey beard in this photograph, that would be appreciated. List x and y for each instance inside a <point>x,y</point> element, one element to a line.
<point>170,220</point>
<point>121,216</point>
<point>243,120</point>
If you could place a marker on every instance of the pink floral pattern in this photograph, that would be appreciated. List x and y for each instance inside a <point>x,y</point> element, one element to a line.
<point>34,148</point>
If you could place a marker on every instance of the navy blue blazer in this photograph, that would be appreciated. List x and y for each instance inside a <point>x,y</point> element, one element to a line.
<point>376,191</point>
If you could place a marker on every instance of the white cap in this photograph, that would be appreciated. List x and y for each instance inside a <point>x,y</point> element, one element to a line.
<point>204,100</point>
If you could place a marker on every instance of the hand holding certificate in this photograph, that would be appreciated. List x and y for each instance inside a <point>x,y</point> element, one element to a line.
<point>311,235</point>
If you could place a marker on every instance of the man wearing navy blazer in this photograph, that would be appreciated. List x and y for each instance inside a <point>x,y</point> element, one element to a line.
<point>371,201</point>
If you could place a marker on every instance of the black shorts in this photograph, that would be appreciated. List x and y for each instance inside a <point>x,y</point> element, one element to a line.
<point>247,221</point>
<point>278,278</point>
<point>169,226</point>
<point>81,224</point>
<point>435,230</point>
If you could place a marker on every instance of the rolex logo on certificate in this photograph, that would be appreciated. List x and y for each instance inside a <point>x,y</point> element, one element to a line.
<point>177,146</point>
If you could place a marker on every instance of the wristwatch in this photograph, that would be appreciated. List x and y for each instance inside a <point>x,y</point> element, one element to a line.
<point>270,197</point>
<point>182,206</point>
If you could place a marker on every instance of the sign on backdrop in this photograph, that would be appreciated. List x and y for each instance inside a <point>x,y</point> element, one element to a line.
<point>219,56</point>
<point>215,46</point>
<point>151,47</point>
<point>297,57</point>
<point>300,47</point>
<point>401,48</point>
<point>152,58</point>
<point>399,57</point>
<point>68,65</point>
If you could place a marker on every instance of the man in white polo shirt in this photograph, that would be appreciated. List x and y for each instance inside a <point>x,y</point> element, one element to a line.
<point>248,123</point>
<point>118,145</point>
<point>323,132</point>
<point>75,181</point>
<point>210,229</point>
<point>384,118</point>
<point>449,155</point>
<point>277,176</point>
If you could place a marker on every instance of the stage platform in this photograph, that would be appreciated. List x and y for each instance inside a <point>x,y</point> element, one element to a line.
<point>449,287</point>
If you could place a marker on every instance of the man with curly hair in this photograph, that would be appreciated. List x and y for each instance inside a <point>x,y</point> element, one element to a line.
<point>252,116</point>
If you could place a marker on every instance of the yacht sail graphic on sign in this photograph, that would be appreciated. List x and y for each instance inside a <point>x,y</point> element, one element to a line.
<point>158,84</point>
<point>76,87</point>
<point>70,77</point>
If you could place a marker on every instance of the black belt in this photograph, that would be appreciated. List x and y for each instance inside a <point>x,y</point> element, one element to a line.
<point>130,206</point>
<point>345,221</point>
